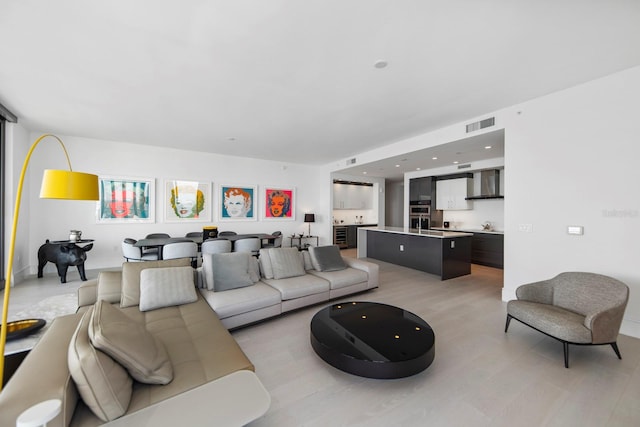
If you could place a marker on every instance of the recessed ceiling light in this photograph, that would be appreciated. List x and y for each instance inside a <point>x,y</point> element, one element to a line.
<point>456,162</point>
<point>417,169</point>
<point>380,63</point>
<point>488,147</point>
<point>434,158</point>
<point>397,166</point>
<point>364,173</point>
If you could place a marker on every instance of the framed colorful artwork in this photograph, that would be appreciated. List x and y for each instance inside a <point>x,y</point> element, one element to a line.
<point>187,201</point>
<point>238,202</point>
<point>125,200</point>
<point>278,203</point>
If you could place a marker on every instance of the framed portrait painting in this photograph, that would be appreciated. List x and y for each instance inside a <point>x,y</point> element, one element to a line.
<point>238,202</point>
<point>279,203</point>
<point>187,201</point>
<point>126,200</point>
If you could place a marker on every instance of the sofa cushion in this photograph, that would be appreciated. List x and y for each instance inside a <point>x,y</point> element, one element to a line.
<point>241,300</point>
<point>306,258</point>
<point>131,277</point>
<point>326,258</point>
<point>164,287</point>
<point>286,262</point>
<point>342,278</point>
<point>231,270</point>
<point>103,384</point>
<point>130,344</point>
<point>299,286</point>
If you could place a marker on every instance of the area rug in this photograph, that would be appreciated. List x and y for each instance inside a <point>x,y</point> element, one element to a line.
<point>47,309</point>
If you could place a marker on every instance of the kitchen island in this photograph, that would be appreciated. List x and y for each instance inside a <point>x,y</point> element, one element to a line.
<point>444,253</point>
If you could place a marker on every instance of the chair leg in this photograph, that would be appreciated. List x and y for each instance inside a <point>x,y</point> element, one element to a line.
<point>614,345</point>
<point>566,354</point>
<point>506,326</point>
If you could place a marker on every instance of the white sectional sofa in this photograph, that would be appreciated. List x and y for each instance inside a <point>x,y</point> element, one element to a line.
<point>281,280</point>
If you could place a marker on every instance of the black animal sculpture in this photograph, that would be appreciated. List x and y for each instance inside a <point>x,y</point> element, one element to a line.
<point>63,255</point>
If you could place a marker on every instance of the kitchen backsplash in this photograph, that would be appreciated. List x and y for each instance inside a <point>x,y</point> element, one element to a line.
<point>353,216</point>
<point>483,211</point>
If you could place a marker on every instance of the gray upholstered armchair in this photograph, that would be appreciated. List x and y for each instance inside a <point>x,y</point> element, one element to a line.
<point>574,308</point>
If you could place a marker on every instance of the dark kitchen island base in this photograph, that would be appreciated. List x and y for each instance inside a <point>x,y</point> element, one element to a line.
<point>445,254</point>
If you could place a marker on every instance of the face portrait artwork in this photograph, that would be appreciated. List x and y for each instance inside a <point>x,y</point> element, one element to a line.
<point>278,203</point>
<point>187,201</point>
<point>237,202</point>
<point>121,199</point>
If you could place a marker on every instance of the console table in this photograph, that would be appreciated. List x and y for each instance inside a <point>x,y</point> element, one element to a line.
<point>301,240</point>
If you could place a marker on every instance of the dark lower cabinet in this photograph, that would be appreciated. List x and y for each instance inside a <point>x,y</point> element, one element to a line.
<point>352,236</point>
<point>487,249</point>
<point>445,257</point>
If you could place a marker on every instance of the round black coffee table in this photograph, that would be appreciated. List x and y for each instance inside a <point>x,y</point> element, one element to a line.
<point>372,340</point>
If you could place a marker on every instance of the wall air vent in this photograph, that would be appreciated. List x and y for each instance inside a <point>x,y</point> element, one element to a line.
<point>472,127</point>
<point>351,161</point>
<point>467,166</point>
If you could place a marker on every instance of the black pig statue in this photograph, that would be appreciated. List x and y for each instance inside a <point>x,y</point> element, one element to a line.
<point>63,255</point>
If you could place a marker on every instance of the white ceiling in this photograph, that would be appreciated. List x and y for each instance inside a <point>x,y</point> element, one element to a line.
<point>293,80</point>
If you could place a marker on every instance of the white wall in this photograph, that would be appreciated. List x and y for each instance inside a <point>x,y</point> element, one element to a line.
<point>570,159</point>
<point>53,219</point>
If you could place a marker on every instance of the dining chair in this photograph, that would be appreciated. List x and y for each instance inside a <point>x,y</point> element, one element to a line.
<point>156,236</point>
<point>216,246</point>
<point>277,242</point>
<point>134,253</point>
<point>227,233</point>
<point>181,250</point>
<point>249,244</point>
<point>194,234</point>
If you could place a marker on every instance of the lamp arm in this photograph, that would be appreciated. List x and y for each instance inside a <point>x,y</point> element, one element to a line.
<point>12,244</point>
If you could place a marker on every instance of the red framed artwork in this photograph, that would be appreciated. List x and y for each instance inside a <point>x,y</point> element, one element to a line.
<point>278,203</point>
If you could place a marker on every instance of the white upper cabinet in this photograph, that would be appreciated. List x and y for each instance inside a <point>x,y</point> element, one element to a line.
<point>346,196</point>
<point>451,194</point>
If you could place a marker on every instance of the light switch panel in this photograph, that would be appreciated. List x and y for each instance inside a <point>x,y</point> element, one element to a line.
<point>575,229</point>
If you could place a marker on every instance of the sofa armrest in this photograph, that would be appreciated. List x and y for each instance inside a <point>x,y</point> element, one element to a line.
<point>88,293</point>
<point>370,268</point>
<point>540,292</point>
<point>109,286</point>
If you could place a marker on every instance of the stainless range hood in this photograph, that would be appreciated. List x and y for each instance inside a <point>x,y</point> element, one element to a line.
<point>489,185</point>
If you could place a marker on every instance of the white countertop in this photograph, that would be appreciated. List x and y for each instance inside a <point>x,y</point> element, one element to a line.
<point>469,230</point>
<point>440,234</point>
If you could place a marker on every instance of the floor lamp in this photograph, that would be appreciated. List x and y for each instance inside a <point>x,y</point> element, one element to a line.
<point>56,184</point>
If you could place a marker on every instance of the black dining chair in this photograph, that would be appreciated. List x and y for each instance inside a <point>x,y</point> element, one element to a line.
<point>227,233</point>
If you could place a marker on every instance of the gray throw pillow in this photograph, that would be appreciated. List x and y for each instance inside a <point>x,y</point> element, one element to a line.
<point>326,258</point>
<point>231,271</point>
<point>286,262</point>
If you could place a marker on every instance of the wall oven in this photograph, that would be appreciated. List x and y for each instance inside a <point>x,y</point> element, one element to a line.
<point>424,210</point>
<point>419,221</point>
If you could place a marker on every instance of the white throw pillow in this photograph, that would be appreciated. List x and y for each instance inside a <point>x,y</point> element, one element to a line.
<point>130,344</point>
<point>286,262</point>
<point>165,287</point>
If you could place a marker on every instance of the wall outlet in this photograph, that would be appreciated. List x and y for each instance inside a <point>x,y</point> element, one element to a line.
<point>401,248</point>
<point>525,228</point>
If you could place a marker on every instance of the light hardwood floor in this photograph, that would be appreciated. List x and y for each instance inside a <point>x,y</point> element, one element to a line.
<point>480,376</point>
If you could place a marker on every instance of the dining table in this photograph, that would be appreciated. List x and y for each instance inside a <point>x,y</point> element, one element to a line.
<point>160,242</point>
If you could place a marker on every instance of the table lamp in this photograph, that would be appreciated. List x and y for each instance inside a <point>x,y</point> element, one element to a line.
<point>309,217</point>
<point>56,184</point>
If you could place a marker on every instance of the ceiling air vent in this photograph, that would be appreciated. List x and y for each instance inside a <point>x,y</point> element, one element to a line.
<point>467,166</point>
<point>472,127</point>
<point>351,161</point>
